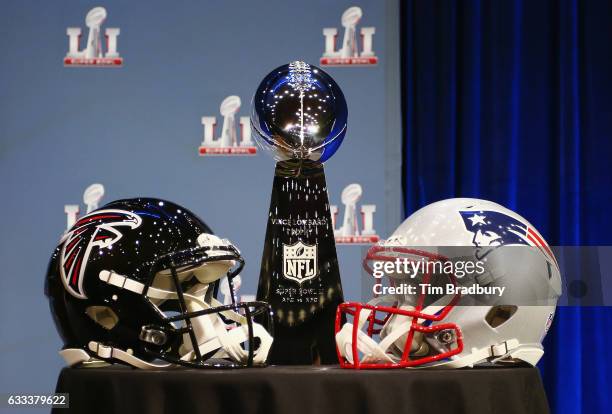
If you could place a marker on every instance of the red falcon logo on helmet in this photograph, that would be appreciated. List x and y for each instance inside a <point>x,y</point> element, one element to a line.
<point>98,229</point>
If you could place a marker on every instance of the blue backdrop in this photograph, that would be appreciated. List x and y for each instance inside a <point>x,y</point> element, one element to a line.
<point>136,129</point>
<point>512,102</point>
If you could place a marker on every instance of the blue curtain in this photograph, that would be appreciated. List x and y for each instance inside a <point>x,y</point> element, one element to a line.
<point>511,101</point>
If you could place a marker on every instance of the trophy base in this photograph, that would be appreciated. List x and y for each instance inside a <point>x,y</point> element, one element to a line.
<point>311,343</point>
<point>299,276</point>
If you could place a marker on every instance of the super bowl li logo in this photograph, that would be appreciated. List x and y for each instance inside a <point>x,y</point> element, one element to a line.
<point>91,197</point>
<point>349,53</point>
<point>229,142</point>
<point>349,232</point>
<point>93,54</point>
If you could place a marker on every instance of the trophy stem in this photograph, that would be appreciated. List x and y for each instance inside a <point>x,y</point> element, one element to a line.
<point>299,275</point>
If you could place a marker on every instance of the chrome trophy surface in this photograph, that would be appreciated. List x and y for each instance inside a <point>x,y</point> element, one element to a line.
<point>299,112</point>
<point>299,115</point>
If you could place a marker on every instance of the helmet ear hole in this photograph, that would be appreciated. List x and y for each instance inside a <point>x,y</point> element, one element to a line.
<point>498,315</point>
<point>103,316</point>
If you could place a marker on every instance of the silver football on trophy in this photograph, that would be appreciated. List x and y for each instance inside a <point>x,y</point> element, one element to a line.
<point>299,112</point>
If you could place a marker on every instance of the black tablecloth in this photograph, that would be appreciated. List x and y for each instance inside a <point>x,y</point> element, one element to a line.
<point>315,390</point>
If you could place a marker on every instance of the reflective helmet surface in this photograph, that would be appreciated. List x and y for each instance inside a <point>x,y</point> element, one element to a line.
<point>449,330</point>
<point>136,281</point>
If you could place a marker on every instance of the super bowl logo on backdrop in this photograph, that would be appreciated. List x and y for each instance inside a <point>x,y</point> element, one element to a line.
<point>91,197</point>
<point>300,261</point>
<point>349,232</point>
<point>349,54</point>
<point>92,54</point>
<point>229,142</point>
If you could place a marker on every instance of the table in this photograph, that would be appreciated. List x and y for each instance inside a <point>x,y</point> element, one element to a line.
<point>302,389</point>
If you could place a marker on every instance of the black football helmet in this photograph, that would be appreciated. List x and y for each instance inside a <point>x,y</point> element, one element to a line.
<point>136,281</point>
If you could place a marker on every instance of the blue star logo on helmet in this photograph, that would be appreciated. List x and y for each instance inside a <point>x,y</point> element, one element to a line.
<point>493,229</point>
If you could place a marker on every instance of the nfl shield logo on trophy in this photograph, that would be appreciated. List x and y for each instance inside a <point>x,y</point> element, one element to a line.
<point>300,262</point>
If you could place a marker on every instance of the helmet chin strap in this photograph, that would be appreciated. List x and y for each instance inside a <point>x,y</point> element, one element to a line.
<point>394,329</point>
<point>210,329</point>
<point>75,356</point>
<point>505,351</point>
<point>372,352</point>
<point>229,343</point>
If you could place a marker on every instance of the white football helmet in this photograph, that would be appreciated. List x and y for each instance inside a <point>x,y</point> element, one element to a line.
<point>421,330</point>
